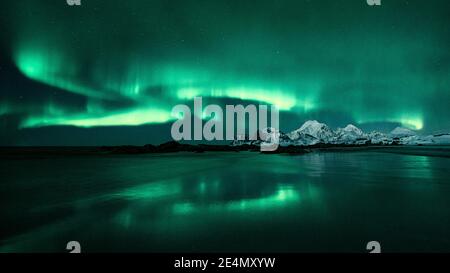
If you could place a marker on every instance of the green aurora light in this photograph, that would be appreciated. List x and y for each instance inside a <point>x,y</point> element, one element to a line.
<point>357,64</point>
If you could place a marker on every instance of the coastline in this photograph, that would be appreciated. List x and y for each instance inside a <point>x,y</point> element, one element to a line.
<point>176,147</point>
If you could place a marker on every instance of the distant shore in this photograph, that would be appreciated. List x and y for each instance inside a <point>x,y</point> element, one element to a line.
<point>174,147</point>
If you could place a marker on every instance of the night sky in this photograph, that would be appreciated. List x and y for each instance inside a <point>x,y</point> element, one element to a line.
<point>109,72</point>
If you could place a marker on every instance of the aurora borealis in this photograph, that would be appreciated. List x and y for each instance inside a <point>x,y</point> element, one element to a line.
<point>118,67</point>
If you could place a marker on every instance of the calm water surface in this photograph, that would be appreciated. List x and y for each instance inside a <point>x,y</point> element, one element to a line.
<point>226,202</point>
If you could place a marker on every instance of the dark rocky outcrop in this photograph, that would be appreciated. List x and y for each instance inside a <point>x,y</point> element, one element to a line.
<point>173,147</point>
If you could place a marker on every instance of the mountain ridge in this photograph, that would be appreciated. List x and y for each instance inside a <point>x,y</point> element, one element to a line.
<point>313,132</point>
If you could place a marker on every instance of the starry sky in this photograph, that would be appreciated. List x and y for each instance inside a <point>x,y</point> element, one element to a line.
<point>109,72</point>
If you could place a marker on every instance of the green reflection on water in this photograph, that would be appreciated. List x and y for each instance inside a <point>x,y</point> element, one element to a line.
<point>418,167</point>
<point>231,202</point>
<point>283,196</point>
<point>150,191</point>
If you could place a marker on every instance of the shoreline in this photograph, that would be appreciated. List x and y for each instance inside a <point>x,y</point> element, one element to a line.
<point>176,147</point>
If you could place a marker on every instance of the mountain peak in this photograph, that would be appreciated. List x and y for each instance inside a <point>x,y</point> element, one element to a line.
<point>313,128</point>
<point>311,123</point>
<point>352,128</point>
<point>400,131</point>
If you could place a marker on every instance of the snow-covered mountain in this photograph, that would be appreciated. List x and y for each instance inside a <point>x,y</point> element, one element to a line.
<point>313,132</point>
<point>441,139</point>
<point>350,135</point>
<point>402,132</point>
<point>379,138</point>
